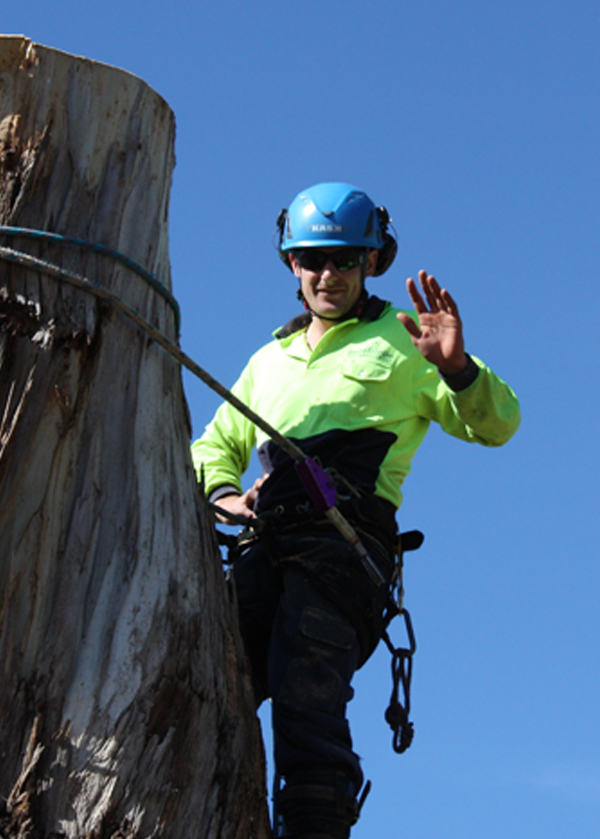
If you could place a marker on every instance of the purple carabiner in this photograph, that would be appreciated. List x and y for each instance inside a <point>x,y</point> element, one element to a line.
<point>317,483</point>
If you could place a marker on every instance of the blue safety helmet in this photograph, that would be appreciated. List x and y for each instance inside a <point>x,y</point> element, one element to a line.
<point>336,215</point>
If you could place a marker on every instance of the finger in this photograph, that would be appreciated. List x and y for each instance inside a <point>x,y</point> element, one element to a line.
<point>431,288</point>
<point>247,505</point>
<point>449,303</point>
<point>414,295</point>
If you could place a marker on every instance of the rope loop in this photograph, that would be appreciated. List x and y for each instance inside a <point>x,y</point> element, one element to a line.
<point>104,250</point>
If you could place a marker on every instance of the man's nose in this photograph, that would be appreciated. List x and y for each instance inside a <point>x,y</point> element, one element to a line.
<point>328,275</point>
<point>328,270</point>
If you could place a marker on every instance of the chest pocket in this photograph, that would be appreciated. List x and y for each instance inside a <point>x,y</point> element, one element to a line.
<point>367,391</point>
<point>365,370</point>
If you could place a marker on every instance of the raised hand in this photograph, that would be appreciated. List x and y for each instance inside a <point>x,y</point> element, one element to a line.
<point>439,335</point>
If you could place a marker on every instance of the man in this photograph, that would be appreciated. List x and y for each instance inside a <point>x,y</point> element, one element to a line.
<point>355,384</point>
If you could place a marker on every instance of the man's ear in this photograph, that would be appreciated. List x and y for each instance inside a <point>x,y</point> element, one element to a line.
<point>371,263</point>
<point>294,264</point>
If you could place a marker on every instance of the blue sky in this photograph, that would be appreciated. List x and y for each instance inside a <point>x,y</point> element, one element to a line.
<point>476,124</point>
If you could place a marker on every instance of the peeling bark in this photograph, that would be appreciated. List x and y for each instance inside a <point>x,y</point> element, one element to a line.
<point>125,706</point>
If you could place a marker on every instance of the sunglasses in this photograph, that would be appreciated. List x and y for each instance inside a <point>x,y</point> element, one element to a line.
<point>343,260</point>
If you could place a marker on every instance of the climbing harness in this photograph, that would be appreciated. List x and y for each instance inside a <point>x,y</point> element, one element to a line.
<point>398,711</point>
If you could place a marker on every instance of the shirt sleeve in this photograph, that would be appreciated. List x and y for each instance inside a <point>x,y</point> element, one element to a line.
<point>222,454</point>
<point>486,411</point>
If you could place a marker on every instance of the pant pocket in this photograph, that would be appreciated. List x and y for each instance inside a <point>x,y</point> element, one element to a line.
<point>318,676</point>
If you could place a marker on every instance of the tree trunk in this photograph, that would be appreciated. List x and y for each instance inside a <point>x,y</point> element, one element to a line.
<point>125,706</point>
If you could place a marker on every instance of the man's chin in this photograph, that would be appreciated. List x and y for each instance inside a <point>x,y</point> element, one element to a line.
<point>332,307</point>
<point>329,312</point>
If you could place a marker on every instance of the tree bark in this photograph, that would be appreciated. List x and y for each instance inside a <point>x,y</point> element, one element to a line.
<point>125,705</point>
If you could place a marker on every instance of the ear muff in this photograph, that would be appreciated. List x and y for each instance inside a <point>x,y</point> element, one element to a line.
<point>279,233</point>
<point>389,249</point>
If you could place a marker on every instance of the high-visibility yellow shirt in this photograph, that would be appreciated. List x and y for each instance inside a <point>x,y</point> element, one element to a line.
<point>361,402</point>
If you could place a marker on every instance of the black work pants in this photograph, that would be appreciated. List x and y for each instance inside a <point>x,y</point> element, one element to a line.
<point>310,616</point>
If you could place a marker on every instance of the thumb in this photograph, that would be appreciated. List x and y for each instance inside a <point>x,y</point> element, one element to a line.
<point>409,324</point>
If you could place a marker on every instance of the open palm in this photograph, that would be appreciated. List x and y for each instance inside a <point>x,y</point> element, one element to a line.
<point>439,334</point>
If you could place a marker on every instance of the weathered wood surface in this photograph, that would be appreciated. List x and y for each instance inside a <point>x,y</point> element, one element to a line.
<point>125,710</point>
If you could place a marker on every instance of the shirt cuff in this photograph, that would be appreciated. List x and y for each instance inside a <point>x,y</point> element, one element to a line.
<point>221,492</point>
<point>462,380</point>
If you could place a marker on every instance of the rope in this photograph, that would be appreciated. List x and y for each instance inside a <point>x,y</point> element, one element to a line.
<point>82,244</point>
<point>316,481</point>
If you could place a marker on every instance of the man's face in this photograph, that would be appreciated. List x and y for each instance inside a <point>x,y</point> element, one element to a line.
<point>331,291</point>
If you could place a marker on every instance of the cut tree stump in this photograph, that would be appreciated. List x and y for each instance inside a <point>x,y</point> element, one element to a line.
<point>125,705</point>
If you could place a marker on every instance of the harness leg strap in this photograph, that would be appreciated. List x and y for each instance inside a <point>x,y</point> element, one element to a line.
<point>318,803</point>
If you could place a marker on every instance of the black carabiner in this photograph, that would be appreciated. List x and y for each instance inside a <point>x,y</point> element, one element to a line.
<point>397,713</point>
